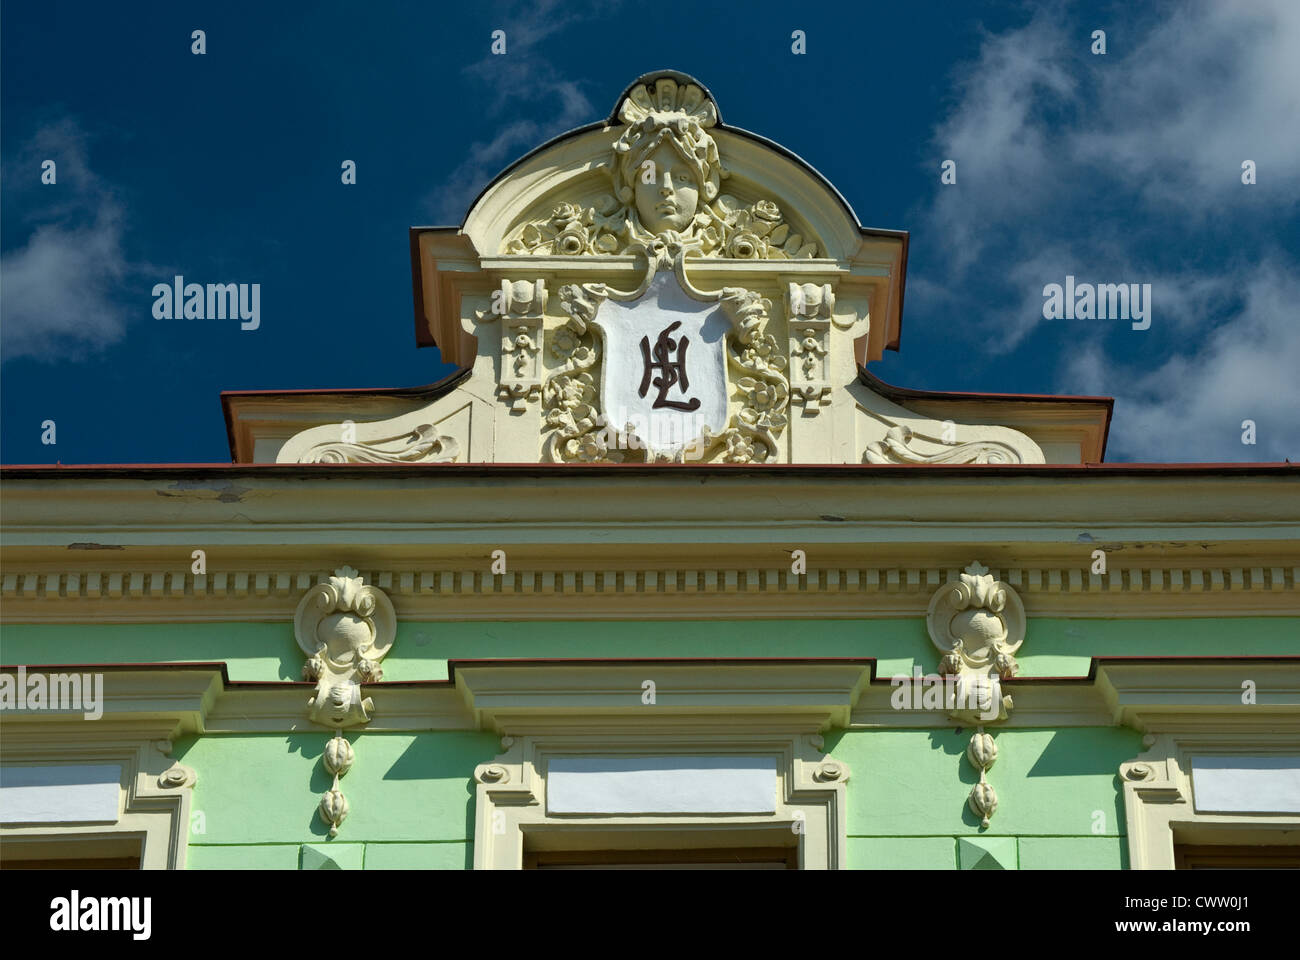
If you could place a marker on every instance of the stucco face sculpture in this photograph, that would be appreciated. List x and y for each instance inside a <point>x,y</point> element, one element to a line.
<point>666,173</point>
<point>665,163</point>
<point>667,191</point>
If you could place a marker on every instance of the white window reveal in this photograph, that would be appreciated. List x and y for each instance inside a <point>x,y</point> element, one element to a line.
<point>1237,784</point>
<point>662,785</point>
<point>64,793</point>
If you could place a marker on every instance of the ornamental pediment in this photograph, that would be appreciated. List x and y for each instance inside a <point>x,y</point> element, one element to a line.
<point>661,287</point>
<point>663,177</point>
<point>662,166</point>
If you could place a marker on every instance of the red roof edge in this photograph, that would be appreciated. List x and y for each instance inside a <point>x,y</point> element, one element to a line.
<point>489,469</point>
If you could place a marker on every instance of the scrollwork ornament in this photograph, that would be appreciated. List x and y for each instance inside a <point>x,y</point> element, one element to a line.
<point>424,444</point>
<point>897,447</point>
<point>978,623</point>
<point>345,627</point>
<point>1139,771</point>
<point>570,397</point>
<point>830,771</point>
<point>177,776</point>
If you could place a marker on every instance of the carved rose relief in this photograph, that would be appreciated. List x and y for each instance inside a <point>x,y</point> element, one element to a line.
<point>666,177</point>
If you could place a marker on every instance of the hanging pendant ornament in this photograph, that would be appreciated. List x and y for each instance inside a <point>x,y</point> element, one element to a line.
<point>345,627</point>
<point>338,758</point>
<point>977,623</point>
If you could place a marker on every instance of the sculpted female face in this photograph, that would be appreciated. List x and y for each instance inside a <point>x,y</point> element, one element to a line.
<point>672,196</point>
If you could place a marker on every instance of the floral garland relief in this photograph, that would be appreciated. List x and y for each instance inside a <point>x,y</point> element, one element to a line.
<point>570,396</point>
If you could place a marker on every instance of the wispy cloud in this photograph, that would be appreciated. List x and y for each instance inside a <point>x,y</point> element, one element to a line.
<point>58,290</point>
<point>1193,406</point>
<point>519,85</point>
<point>1119,169</point>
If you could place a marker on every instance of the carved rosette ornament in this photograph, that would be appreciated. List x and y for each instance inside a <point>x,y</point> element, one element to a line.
<point>665,180</point>
<point>345,627</point>
<point>978,624</point>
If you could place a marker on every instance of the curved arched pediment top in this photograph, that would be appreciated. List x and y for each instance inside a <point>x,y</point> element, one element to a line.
<point>663,166</point>
<point>659,287</point>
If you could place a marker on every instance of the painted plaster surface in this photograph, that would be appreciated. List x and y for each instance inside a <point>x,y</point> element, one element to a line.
<point>451,855</point>
<point>1024,853</point>
<point>1055,782</point>
<point>1058,647</point>
<point>414,800</point>
<point>260,789</point>
<point>1072,853</point>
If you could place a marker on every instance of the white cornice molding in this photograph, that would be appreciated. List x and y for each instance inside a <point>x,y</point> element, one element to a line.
<point>1021,508</point>
<point>1039,704</point>
<point>164,701</point>
<point>1207,695</point>
<point>811,696</point>
<point>117,591</point>
<point>278,707</point>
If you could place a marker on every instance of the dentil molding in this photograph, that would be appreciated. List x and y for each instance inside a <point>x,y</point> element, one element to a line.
<point>143,593</point>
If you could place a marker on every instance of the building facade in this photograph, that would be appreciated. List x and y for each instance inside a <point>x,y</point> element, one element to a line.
<point>663,576</point>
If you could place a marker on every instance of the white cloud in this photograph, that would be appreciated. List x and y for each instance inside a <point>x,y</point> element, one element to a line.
<point>1192,406</point>
<point>1215,84</point>
<point>1110,168</point>
<point>57,291</point>
<point>1002,149</point>
<point>519,83</point>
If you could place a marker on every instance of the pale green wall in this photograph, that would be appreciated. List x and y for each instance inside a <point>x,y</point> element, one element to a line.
<point>411,798</point>
<point>1059,798</point>
<point>412,794</point>
<point>266,651</point>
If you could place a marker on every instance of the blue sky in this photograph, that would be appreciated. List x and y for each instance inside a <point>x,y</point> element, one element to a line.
<point>1122,168</point>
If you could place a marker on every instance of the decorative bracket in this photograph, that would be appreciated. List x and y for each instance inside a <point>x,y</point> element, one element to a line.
<point>978,624</point>
<point>346,628</point>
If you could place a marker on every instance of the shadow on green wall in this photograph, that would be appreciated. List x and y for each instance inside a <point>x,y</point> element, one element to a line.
<point>447,756</point>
